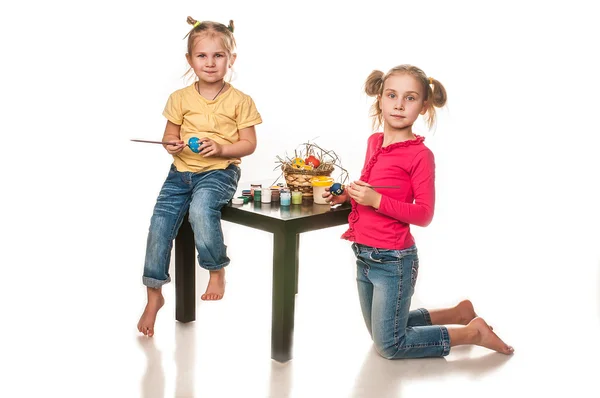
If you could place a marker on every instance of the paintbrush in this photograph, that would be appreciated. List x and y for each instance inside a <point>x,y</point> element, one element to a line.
<point>382,186</point>
<point>158,142</point>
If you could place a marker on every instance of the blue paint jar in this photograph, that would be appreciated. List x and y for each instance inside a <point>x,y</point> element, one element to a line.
<point>285,197</point>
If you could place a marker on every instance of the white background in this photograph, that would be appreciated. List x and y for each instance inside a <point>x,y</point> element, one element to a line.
<point>516,148</point>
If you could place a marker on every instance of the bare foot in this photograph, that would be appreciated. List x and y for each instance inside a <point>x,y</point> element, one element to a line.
<point>487,338</point>
<point>216,286</point>
<point>155,302</point>
<point>466,312</point>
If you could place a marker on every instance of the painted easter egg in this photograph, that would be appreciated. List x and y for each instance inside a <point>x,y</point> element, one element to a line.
<point>298,163</point>
<point>313,161</point>
<point>194,144</point>
<point>336,189</point>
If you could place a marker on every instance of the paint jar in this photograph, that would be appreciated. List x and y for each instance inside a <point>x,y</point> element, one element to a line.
<point>254,187</point>
<point>319,184</point>
<point>266,195</point>
<point>257,196</point>
<point>285,198</point>
<point>296,198</point>
<point>275,194</point>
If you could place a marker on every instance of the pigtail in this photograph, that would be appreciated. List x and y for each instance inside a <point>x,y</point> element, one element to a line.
<point>373,88</point>
<point>374,83</point>
<point>436,98</point>
<point>438,95</point>
<point>200,26</point>
<point>193,22</point>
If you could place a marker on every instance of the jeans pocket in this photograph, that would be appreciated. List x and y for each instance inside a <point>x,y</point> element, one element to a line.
<point>385,256</point>
<point>414,271</point>
<point>236,170</point>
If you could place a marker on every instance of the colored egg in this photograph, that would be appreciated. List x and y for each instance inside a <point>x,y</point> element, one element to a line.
<point>194,144</point>
<point>298,163</point>
<point>336,189</point>
<point>313,161</point>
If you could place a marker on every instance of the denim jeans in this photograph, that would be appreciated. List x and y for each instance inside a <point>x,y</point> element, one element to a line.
<point>386,282</point>
<point>203,195</point>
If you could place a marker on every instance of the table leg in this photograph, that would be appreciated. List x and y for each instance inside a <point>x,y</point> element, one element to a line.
<point>296,261</point>
<point>285,255</point>
<point>185,274</point>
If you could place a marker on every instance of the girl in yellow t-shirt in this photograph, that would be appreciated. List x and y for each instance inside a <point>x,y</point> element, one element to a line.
<point>202,180</point>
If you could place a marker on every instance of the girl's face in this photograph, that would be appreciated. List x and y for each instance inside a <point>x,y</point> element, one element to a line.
<point>209,59</point>
<point>402,102</point>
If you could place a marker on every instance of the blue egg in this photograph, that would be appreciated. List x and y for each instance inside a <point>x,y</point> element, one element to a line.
<point>336,189</point>
<point>194,144</point>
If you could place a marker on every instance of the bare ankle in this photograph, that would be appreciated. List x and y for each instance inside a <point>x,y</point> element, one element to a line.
<point>466,312</point>
<point>473,333</point>
<point>155,295</point>
<point>461,335</point>
<point>219,273</point>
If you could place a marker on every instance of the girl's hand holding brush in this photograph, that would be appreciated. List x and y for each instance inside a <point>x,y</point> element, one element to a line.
<point>364,194</point>
<point>174,147</point>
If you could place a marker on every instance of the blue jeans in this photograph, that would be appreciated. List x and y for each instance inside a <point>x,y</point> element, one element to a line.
<point>203,195</point>
<point>386,282</point>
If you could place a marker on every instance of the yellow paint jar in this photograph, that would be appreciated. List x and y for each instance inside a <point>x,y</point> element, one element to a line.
<point>319,183</point>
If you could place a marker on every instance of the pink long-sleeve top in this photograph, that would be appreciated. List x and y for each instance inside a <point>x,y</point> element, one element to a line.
<point>409,165</point>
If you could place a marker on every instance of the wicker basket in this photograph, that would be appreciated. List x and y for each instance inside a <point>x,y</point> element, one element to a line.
<point>299,179</point>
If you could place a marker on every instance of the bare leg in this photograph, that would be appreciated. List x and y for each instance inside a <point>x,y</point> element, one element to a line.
<point>460,314</point>
<point>478,332</point>
<point>155,302</point>
<point>216,285</point>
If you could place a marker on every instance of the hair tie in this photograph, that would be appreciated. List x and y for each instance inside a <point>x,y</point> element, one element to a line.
<point>197,24</point>
<point>431,80</point>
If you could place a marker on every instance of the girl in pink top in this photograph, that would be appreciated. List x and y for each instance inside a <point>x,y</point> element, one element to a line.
<point>379,224</point>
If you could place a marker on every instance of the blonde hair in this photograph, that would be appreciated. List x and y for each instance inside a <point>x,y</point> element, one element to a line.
<point>376,80</point>
<point>210,29</point>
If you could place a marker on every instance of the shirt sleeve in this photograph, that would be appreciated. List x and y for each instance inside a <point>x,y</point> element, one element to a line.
<point>422,179</point>
<point>173,110</point>
<point>248,115</point>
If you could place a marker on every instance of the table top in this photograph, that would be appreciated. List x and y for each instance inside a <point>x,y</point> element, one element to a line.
<point>273,217</point>
<point>292,212</point>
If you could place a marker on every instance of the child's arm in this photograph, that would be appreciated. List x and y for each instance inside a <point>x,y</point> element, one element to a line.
<point>244,147</point>
<point>172,134</point>
<point>423,183</point>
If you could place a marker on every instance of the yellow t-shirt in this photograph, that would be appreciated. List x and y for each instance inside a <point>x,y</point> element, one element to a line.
<point>220,120</point>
